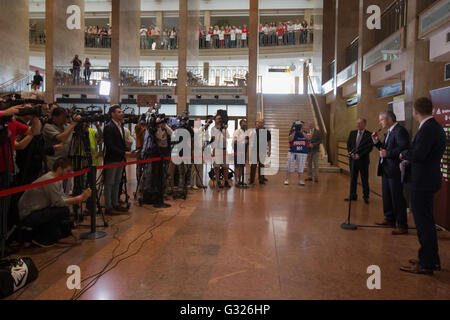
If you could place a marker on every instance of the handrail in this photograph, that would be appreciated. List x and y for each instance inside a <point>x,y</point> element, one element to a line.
<point>12,82</point>
<point>319,119</point>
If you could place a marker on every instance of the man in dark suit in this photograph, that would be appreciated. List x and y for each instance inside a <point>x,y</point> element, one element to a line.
<point>423,179</point>
<point>360,145</point>
<point>394,203</point>
<point>115,152</point>
<point>316,139</point>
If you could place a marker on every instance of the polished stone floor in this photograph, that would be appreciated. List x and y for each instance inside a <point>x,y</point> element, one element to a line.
<point>267,242</point>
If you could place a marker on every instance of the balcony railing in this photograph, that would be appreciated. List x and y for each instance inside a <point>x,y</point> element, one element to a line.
<point>148,76</point>
<point>346,74</point>
<point>392,20</point>
<point>66,76</point>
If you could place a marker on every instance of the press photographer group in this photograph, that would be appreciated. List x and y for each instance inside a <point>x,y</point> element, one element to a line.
<point>70,163</point>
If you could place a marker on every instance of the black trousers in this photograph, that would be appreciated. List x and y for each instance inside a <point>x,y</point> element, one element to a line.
<point>47,223</point>
<point>359,168</point>
<point>394,203</point>
<point>422,208</point>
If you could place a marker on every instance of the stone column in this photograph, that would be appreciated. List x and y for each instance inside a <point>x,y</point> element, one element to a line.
<point>159,20</point>
<point>15,45</point>
<point>158,71</point>
<point>182,56</point>
<point>49,70</point>
<point>115,52</point>
<point>67,42</point>
<point>189,19</point>
<point>308,16</point>
<point>369,106</point>
<point>130,22</point>
<point>253,63</point>
<point>206,71</point>
<point>207,18</point>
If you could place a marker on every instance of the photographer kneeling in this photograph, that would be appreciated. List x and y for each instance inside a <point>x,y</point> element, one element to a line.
<point>44,210</point>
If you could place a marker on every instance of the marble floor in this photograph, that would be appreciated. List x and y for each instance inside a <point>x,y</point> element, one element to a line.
<point>267,242</point>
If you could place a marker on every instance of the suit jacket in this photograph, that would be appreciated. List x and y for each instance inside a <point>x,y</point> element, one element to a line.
<point>398,141</point>
<point>316,139</point>
<point>365,146</point>
<point>115,146</point>
<point>424,157</point>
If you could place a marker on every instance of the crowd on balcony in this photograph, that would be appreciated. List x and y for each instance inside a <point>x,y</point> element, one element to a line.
<point>97,37</point>
<point>36,36</point>
<point>285,33</point>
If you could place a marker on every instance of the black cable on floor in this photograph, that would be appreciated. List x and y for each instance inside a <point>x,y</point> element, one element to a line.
<point>105,270</point>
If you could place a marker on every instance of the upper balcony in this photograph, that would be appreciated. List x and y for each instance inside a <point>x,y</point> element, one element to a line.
<point>155,80</point>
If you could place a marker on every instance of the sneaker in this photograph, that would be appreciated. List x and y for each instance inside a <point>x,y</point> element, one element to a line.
<point>286,182</point>
<point>301,182</point>
<point>42,244</point>
<point>195,187</point>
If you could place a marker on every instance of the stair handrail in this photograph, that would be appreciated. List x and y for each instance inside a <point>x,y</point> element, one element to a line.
<point>319,118</point>
<point>13,81</point>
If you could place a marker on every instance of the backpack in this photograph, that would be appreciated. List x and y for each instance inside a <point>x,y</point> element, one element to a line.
<point>15,274</point>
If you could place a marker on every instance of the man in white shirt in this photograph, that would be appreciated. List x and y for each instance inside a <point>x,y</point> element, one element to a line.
<point>233,37</point>
<point>240,144</point>
<point>143,33</point>
<point>219,136</point>
<point>156,35</point>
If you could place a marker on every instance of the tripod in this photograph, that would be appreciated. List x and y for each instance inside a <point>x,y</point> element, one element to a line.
<point>80,153</point>
<point>347,225</point>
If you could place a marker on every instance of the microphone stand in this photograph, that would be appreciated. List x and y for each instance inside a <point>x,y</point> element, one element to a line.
<point>347,225</point>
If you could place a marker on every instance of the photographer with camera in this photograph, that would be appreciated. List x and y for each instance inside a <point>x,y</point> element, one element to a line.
<point>298,152</point>
<point>219,136</point>
<point>57,131</point>
<point>44,211</point>
<point>31,152</point>
<point>116,151</point>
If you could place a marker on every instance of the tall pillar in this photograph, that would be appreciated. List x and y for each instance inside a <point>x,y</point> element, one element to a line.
<point>308,15</point>
<point>15,45</point>
<point>182,56</point>
<point>159,20</point>
<point>49,70</point>
<point>130,21</point>
<point>189,18</point>
<point>67,42</point>
<point>253,62</point>
<point>207,18</point>
<point>206,71</point>
<point>157,72</point>
<point>114,72</point>
<point>369,106</point>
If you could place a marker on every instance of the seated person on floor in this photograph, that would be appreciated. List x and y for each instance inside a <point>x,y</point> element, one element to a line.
<point>44,210</point>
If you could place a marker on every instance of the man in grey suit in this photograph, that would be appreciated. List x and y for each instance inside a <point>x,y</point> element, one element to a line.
<point>314,152</point>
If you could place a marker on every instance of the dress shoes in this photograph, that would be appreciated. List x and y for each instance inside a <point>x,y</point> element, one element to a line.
<point>399,231</point>
<point>417,269</point>
<point>437,267</point>
<point>309,179</point>
<point>366,200</point>
<point>386,223</point>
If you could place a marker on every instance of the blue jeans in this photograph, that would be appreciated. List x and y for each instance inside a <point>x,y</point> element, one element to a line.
<point>112,183</point>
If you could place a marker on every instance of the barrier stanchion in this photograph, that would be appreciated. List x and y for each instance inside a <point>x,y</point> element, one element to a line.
<point>92,207</point>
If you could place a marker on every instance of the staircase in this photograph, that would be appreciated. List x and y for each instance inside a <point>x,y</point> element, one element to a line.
<point>280,111</point>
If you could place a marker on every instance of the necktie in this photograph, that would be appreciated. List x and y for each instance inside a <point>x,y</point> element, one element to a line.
<point>385,142</point>
<point>359,138</point>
